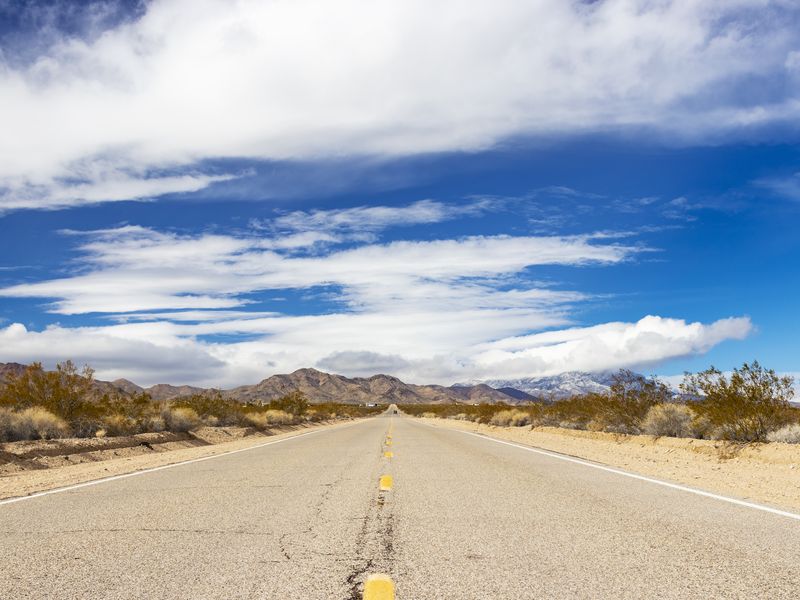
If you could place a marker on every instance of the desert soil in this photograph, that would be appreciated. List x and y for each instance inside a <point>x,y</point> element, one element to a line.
<point>30,467</point>
<point>765,473</point>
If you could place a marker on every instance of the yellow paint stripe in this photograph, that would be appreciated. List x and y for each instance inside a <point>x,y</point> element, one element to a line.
<point>389,454</point>
<point>385,483</point>
<point>379,587</point>
<point>388,442</point>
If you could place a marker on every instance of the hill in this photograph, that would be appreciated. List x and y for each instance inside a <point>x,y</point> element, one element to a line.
<point>318,387</point>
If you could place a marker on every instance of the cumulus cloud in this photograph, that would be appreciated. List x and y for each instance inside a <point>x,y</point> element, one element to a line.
<point>190,80</point>
<point>361,345</point>
<point>114,356</point>
<point>608,346</point>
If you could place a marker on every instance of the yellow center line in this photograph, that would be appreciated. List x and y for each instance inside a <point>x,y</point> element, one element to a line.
<point>379,587</point>
<point>385,484</point>
<point>389,454</point>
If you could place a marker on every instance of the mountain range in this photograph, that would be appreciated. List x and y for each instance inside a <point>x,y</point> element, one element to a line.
<point>563,385</point>
<point>319,387</point>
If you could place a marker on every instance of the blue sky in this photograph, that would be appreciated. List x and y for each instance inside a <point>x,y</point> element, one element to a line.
<point>211,193</point>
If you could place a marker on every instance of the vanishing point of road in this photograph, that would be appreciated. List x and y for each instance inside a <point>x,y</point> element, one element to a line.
<point>459,517</point>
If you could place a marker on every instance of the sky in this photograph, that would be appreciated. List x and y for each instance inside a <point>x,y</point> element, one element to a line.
<point>211,192</point>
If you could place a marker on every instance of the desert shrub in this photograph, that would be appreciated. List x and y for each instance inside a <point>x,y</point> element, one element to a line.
<point>510,418</point>
<point>85,426</point>
<point>6,424</point>
<point>62,392</point>
<point>673,420</point>
<point>180,419</point>
<point>295,404</point>
<point>154,424</point>
<point>701,428</point>
<point>269,418</point>
<point>118,424</point>
<point>429,415</point>
<point>279,417</point>
<point>212,404</point>
<point>501,418</point>
<point>789,434</point>
<point>257,419</point>
<point>628,401</point>
<point>46,425</point>
<point>30,424</point>
<point>100,433</point>
<point>743,407</point>
<point>576,412</point>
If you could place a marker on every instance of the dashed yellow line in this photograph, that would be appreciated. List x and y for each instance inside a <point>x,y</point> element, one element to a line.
<point>385,484</point>
<point>379,587</point>
<point>389,454</point>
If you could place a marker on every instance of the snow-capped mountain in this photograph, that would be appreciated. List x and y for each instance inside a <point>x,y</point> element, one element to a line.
<point>563,385</point>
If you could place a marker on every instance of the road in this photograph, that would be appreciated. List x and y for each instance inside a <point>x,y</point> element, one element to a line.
<point>466,517</point>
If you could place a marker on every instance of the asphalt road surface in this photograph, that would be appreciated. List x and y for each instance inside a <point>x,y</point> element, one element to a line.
<point>466,517</point>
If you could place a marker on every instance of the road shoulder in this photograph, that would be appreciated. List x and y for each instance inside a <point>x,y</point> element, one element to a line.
<point>25,483</point>
<point>763,473</point>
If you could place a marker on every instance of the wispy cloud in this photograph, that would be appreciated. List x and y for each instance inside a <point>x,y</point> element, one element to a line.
<point>139,269</point>
<point>429,311</point>
<point>189,80</point>
<point>105,187</point>
<point>377,218</point>
<point>784,186</point>
<point>305,229</point>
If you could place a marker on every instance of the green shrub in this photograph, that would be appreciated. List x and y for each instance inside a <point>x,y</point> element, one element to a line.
<point>62,392</point>
<point>746,406</point>
<point>295,404</point>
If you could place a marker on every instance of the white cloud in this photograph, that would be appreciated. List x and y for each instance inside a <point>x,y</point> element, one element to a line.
<point>106,187</point>
<point>364,219</point>
<point>608,346</point>
<point>138,269</point>
<point>112,355</point>
<point>428,311</point>
<point>786,187</point>
<point>198,79</point>
<point>421,348</point>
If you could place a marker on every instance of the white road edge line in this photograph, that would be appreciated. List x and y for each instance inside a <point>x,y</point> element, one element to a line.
<point>163,467</point>
<point>674,486</point>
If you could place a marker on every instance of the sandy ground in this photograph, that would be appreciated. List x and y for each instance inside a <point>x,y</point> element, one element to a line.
<point>30,467</point>
<point>765,473</point>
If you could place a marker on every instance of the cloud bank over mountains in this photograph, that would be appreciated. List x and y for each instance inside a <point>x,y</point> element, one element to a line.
<point>139,109</point>
<point>441,310</point>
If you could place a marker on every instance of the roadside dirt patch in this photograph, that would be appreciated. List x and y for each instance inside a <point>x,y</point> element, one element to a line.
<point>766,473</point>
<point>29,467</point>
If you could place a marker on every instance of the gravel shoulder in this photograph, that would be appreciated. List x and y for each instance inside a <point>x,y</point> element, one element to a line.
<point>30,467</point>
<point>765,473</point>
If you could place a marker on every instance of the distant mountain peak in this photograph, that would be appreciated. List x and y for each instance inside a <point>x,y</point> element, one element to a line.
<point>563,385</point>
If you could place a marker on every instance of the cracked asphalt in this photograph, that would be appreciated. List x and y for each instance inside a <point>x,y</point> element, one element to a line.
<point>466,518</point>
